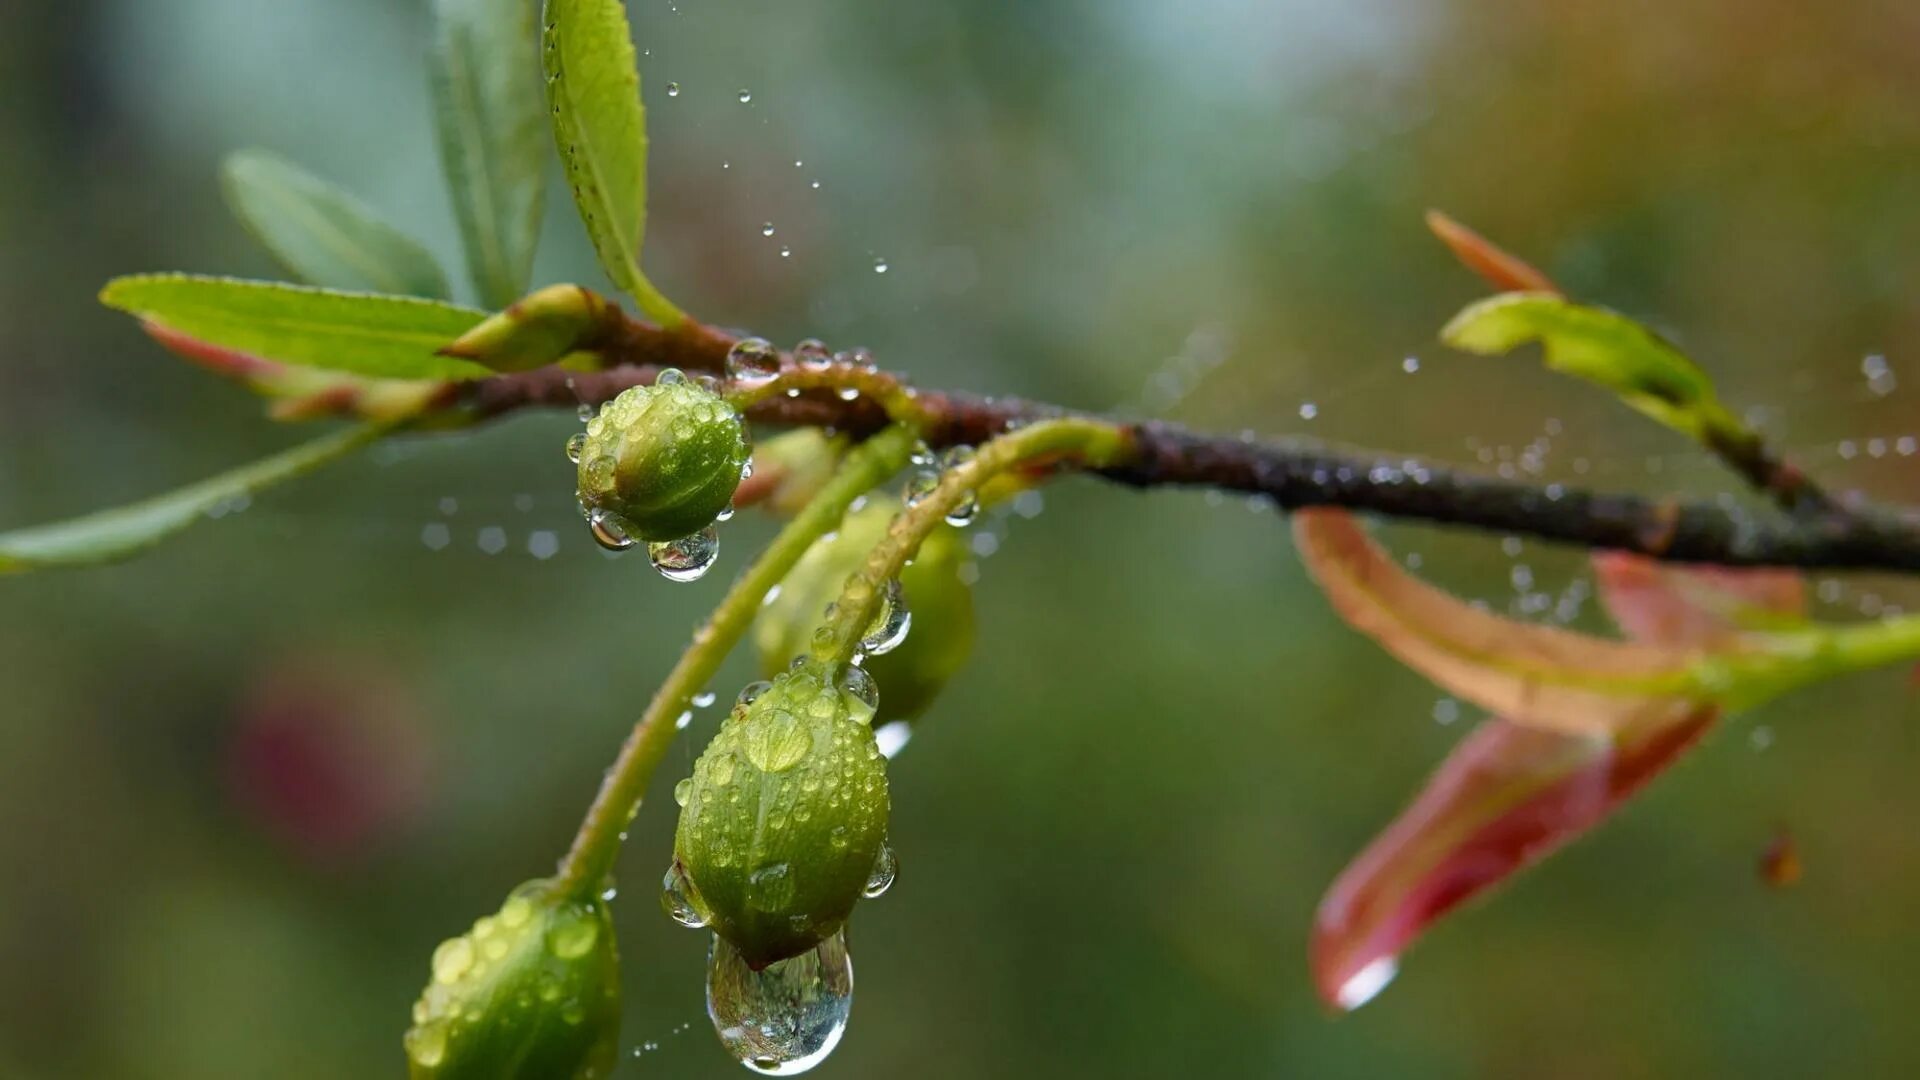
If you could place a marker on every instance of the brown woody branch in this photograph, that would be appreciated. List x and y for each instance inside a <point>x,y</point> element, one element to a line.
<point>1295,473</point>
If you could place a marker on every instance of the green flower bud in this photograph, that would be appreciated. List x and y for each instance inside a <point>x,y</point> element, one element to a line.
<point>908,677</point>
<point>784,817</point>
<point>530,993</point>
<point>663,459</point>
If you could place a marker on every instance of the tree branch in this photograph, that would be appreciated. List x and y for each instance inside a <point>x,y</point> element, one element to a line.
<point>1296,472</point>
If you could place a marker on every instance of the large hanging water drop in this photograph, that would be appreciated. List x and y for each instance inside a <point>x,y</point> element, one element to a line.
<point>787,1017</point>
<point>890,627</point>
<point>688,558</point>
<point>575,444</point>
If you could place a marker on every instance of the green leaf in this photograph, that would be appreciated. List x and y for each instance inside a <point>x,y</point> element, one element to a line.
<point>493,142</point>
<point>394,337</point>
<point>323,235</point>
<point>115,534</point>
<point>1600,346</point>
<point>600,127</point>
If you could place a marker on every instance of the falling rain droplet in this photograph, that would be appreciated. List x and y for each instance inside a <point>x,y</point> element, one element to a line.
<point>673,89</point>
<point>746,96</point>
<point>576,443</point>
<point>688,558</point>
<point>753,359</point>
<point>890,627</point>
<point>676,898</point>
<point>609,529</point>
<point>885,869</point>
<point>787,1017</point>
<point>879,266</point>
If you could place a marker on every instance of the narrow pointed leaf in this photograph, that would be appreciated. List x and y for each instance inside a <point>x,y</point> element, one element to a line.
<point>1542,676</point>
<point>1509,796</point>
<point>323,235</point>
<point>307,393</point>
<point>110,535</point>
<point>1500,268</point>
<point>540,329</point>
<point>1602,347</point>
<point>600,128</point>
<point>488,113</point>
<point>391,337</point>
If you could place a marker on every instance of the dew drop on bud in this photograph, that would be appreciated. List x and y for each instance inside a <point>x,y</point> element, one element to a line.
<point>856,681</point>
<point>727,514</point>
<point>576,443</point>
<point>855,357</point>
<point>688,558</point>
<point>681,790</point>
<point>787,1017</point>
<point>676,898</point>
<point>670,377</point>
<point>885,869</point>
<point>753,359</point>
<point>889,628</point>
<point>609,529</point>
<point>923,454</point>
<point>752,691</point>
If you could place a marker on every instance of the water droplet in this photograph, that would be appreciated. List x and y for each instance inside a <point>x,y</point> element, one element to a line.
<point>571,938</point>
<point>427,1045</point>
<point>892,737</point>
<point>885,869</point>
<point>879,266</point>
<point>703,699</point>
<point>751,691</point>
<point>688,558</point>
<point>726,514</point>
<point>891,625</point>
<point>812,353</point>
<point>609,529</point>
<point>1410,365</point>
<point>857,682</point>
<point>787,1017</point>
<point>673,89</point>
<point>682,791</point>
<point>1308,410</point>
<point>753,359</point>
<point>676,898</point>
<point>923,454</point>
<point>767,229</point>
<point>777,742</point>
<point>585,412</point>
<point>963,512</point>
<point>576,443</point>
<point>672,376</point>
<point>919,485</point>
<point>746,95</point>
<point>1366,984</point>
<point>452,960</point>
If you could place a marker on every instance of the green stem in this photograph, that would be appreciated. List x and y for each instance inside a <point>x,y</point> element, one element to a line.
<point>1794,660</point>
<point>595,846</point>
<point>893,396</point>
<point>1093,444</point>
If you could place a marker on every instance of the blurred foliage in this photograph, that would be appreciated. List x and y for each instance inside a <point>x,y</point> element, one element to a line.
<point>1121,203</point>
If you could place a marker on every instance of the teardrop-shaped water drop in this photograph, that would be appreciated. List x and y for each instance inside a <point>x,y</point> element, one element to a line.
<point>609,529</point>
<point>856,681</point>
<point>688,558</point>
<point>885,869</point>
<point>920,484</point>
<point>753,359</point>
<point>727,514</point>
<point>576,443</point>
<point>676,898</point>
<point>812,353</point>
<point>890,627</point>
<point>787,1017</point>
<point>964,511</point>
<point>682,790</point>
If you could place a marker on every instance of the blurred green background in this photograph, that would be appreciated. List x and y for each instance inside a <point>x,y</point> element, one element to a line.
<point>249,781</point>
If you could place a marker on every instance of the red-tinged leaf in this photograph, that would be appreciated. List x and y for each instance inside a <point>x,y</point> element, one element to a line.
<point>1509,796</point>
<point>1501,269</point>
<point>1695,605</point>
<point>304,393</point>
<point>1541,676</point>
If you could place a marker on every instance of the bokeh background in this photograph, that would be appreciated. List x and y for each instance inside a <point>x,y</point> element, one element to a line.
<point>248,781</point>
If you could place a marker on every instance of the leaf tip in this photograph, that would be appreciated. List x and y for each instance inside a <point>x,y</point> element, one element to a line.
<point>1497,266</point>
